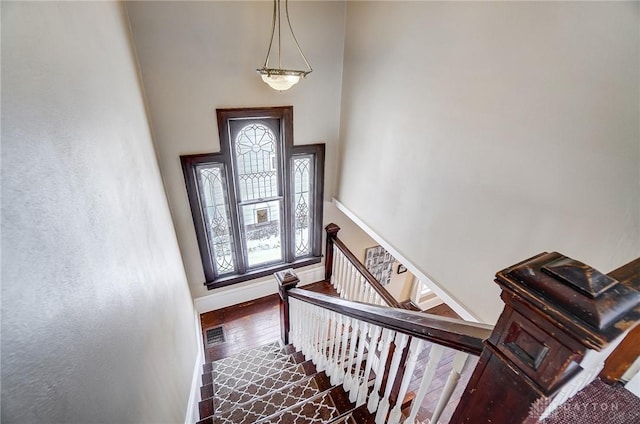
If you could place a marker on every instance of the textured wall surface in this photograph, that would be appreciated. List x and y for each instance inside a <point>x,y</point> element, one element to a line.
<point>480,134</point>
<point>196,57</point>
<point>97,319</point>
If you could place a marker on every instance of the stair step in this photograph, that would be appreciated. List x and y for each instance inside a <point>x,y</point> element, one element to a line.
<point>247,357</point>
<point>273,384</point>
<point>331,406</point>
<point>230,376</point>
<point>263,387</point>
<point>276,401</point>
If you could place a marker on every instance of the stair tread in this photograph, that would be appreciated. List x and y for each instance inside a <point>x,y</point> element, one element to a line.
<point>275,401</point>
<point>249,356</point>
<point>327,407</point>
<point>234,375</point>
<point>273,384</point>
<point>256,389</point>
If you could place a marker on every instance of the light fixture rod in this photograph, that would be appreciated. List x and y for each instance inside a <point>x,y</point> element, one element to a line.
<point>273,29</point>
<point>286,9</point>
<point>279,37</point>
<point>280,78</point>
<point>276,22</point>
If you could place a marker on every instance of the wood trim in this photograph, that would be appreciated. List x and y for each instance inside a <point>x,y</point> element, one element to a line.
<point>332,232</point>
<point>263,272</point>
<point>454,333</point>
<point>622,357</point>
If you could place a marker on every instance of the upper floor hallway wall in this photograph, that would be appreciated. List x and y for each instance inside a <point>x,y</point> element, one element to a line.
<point>477,134</point>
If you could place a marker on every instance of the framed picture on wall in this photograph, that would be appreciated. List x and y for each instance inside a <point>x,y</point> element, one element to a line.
<point>379,263</point>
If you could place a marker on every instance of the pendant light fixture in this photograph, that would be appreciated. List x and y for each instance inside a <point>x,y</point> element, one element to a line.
<point>280,78</point>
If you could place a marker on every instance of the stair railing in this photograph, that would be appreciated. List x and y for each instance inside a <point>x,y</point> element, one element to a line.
<point>560,321</point>
<point>349,276</point>
<point>353,341</point>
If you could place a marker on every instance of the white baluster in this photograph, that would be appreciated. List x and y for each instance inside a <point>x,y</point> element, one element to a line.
<point>338,269</point>
<point>334,268</point>
<point>338,377</point>
<point>324,318</point>
<point>383,408</point>
<point>362,339</point>
<point>435,354</point>
<point>354,283</point>
<point>334,366</point>
<point>370,294</point>
<point>347,280</point>
<point>316,334</point>
<point>362,293</point>
<point>349,379</point>
<point>359,293</point>
<point>374,334</point>
<point>332,340</point>
<point>294,304</point>
<point>415,348</point>
<point>308,331</point>
<point>452,381</point>
<point>385,342</point>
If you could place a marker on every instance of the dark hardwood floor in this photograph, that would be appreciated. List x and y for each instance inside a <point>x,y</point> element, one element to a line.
<point>256,323</point>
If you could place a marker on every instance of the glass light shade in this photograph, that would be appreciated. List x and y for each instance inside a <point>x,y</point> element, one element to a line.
<point>280,82</point>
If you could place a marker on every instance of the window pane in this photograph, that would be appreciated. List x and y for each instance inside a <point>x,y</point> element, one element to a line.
<point>216,211</point>
<point>262,232</point>
<point>301,204</point>
<point>256,161</point>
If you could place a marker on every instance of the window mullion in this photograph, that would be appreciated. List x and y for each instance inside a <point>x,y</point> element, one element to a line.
<point>236,222</point>
<point>289,245</point>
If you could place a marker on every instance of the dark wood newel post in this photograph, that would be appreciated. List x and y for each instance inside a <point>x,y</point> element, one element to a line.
<point>556,310</point>
<point>332,233</point>
<point>287,280</point>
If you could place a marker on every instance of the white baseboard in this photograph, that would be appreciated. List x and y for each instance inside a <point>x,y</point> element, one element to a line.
<point>446,297</point>
<point>192,415</point>
<point>254,289</point>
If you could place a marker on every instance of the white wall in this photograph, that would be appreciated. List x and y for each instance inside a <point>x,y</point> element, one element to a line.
<point>97,319</point>
<point>517,127</point>
<point>199,56</point>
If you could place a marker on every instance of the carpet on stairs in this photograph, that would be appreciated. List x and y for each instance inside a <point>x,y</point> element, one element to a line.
<point>273,384</point>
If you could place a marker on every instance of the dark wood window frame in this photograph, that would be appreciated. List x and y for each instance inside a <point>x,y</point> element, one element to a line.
<point>284,115</point>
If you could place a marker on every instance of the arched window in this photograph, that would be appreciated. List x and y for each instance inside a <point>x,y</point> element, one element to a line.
<point>257,204</point>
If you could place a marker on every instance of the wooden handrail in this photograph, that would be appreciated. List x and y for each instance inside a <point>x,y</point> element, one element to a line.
<point>332,239</point>
<point>454,333</point>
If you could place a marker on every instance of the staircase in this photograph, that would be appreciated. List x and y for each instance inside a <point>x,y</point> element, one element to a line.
<point>273,384</point>
<point>561,321</point>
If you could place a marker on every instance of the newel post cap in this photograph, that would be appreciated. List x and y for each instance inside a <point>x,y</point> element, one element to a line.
<point>332,230</point>
<point>287,279</point>
<point>591,305</point>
